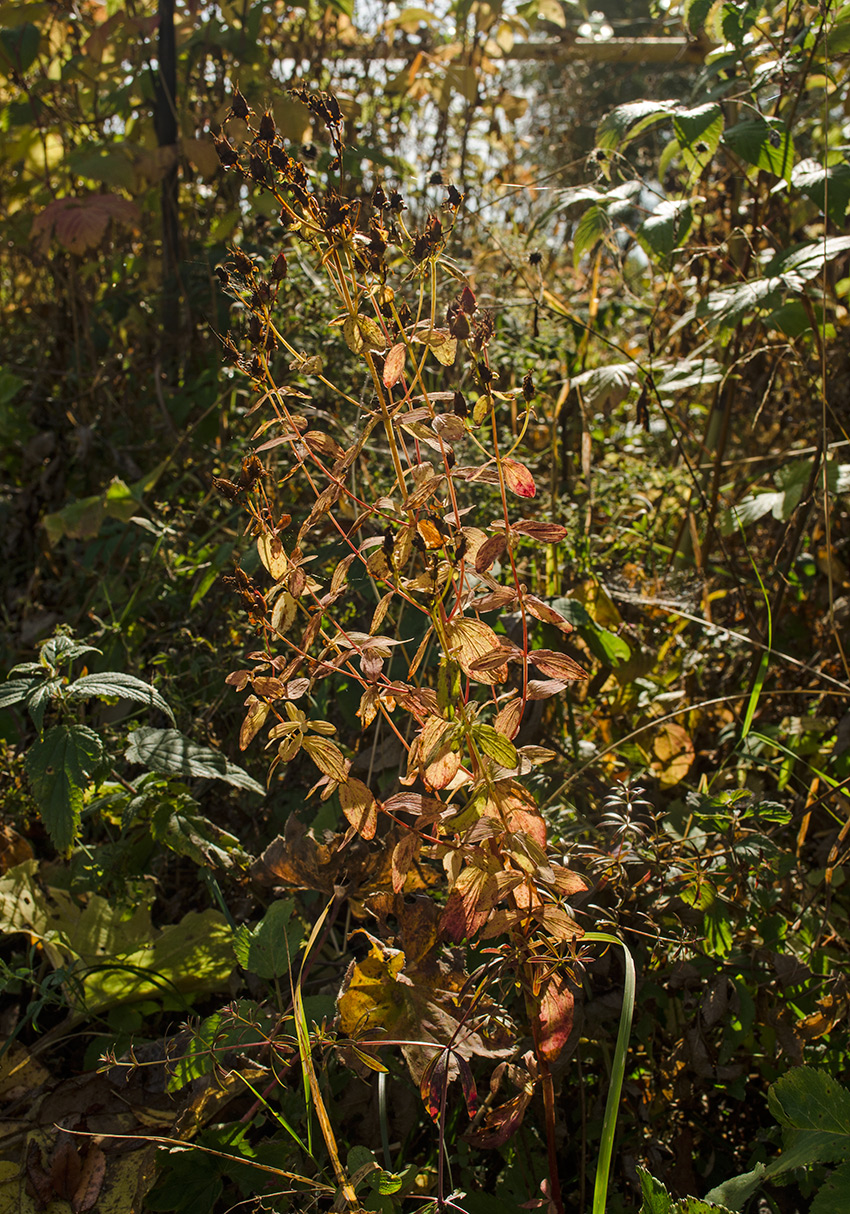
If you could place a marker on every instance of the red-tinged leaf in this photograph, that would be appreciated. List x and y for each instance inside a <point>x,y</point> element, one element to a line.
<point>403,854</point>
<point>358,805</point>
<point>427,809</point>
<point>432,1086</point>
<point>567,882</point>
<point>526,821</point>
<point>394,365</point>
<point>546,533</point>
<point>553,1018</point>
<point>557,665</point>
<point>489,552</point>
<point>496,658</point>
<point>90,1182</point>
<point>327,757</point>
<point>468,905</point>
<point>542,689</point>
<point>518,479</point>
<point>65,1166</point>
<point>37,1177</point>
<point>467,301</point>
<point>496,600</point>
<point>467,1081</point>
<point>254,721</point>
<point>80,224</point>
<point>546,613</point>
<point>238,679</point>
<point>441,764</point>
<point>469,640</point>
<point>471,900</point>
<point>509,718</point>
<point>500,1124</point>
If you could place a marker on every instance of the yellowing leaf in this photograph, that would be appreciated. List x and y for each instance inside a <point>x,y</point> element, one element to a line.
<point>359,807</point>
<point>372,333</point>
<point>469,640</point>
<point>327,757</point>
<point>254,721</point>
<point>672,754</point>
<point>272,555</point>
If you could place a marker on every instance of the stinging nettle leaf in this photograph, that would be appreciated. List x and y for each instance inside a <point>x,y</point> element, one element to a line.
<point>171,752</point>
<point>122,686</point>
<point>60,766</point>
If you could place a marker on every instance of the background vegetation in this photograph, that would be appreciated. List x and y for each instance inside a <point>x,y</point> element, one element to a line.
<point>579,281</point>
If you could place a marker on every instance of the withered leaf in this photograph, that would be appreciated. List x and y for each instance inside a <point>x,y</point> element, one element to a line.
<point>557,665</point>
<point>470,640</point>
<point>272,555</point>
<point>489,552</point>
<point>542,689</point>
<point>323,444</point>
<point>284,612</point>
<point>327,756</point>
<point>500,1123</point>
<point>359,806</point>
<point>546,533</point>
<point>546,613</point>
<point>403,854</point>
<point>254,721</point>
<point>394,365</point>
<point>508,718</point>
<point>91,1180</point>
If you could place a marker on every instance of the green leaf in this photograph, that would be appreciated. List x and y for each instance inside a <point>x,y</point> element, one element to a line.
<point>496,745</point>
<point>172,753</point>
<point>14,691</point>
<point>804,261</point>
<point>764,143</point>
<point>62,649</point>
<point>694,14</point>
<point>272,946</point>
<point>60,767</point>
<point>589,230</point>
<point>122,686</point>
<point>828,187</point>
<point>698,132</point>
<point>181,826</point>
<point>814,1111</point>
<point>735,1193</point>
<point>625,122</point>
<point>666,228</point>
<point>833,1197</point>
<point>606,386</point>
<point>656,1199</point>
<point>39,698</point>
<point>242,1025</point>
<point>19,48</point>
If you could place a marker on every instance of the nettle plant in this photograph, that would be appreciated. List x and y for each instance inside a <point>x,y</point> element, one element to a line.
<point>396,476</point>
